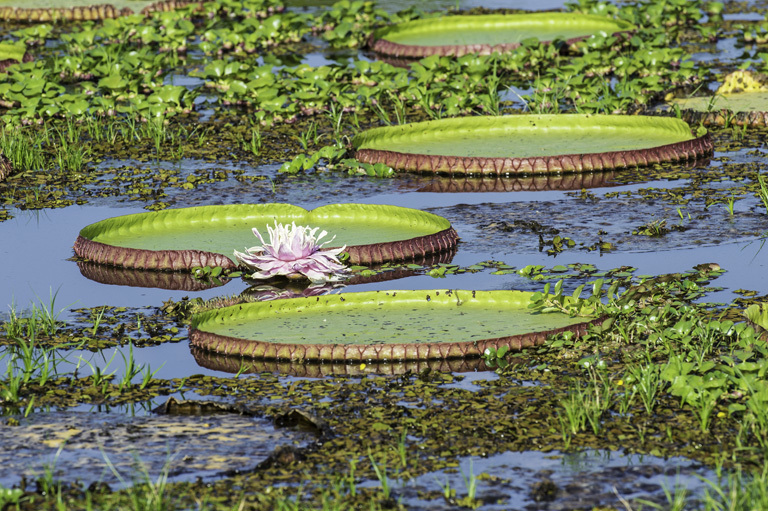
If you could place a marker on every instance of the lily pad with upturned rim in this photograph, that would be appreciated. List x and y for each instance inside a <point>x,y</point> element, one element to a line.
<point>181,239</point>
<point>742,108</point>
<point>501,145</point>
<point>83,10</point>
<point>742,99</point>
<point>380,325</point>
<point>486,34</point>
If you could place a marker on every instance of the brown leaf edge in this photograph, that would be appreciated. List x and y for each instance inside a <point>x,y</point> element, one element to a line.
<point>86,13</point>
<point>695,148</point>
<point>233,346</point>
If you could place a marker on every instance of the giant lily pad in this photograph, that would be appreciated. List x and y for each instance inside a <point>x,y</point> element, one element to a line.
<point>530,144</point>
<point>742,99</point>
<point>379,325</point>
<point>180,239</point>
<point>82,10</point>
<point>459,35</point>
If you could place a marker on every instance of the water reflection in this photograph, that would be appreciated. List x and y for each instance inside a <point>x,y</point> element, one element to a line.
<point>238,365</point>
<point>529,183</point>
<point>175,281</point>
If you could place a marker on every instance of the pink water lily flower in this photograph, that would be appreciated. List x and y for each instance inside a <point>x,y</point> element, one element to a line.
<point>292,251</point>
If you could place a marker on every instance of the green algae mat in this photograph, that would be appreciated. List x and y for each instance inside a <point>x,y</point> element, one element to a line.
<point>531,144</point>
<point>485,34</point>
<point>379,325</point>
<point>181,239</point>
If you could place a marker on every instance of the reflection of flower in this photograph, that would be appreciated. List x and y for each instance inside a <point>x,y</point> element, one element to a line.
<point>265,293</point>
<point>293,250</point>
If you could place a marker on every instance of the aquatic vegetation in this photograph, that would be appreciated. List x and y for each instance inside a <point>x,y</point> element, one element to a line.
<point>294,251</point>
<point>758,315</point>
<point>664,366</point>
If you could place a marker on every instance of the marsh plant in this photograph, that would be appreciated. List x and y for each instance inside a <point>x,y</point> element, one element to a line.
<point>23,148</point>
<point>763,191</point>
<point>41,319</point>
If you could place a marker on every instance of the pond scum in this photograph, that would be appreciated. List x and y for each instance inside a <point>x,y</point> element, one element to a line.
<point>665,374</point>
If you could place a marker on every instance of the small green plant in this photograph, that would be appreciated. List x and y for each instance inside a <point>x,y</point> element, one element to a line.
<point>97,320</point>
<point>763,192</point>
<point>470,482</point>
<point>448,493</point>
<point>656,228</point>
<point>211,275</point>
<point>10,497</point>
<point>739,490</point>
<point>253,144</point>
<point>309,137</point>
<point>495,358</point>
<point>401,448</point>
<point>646,382</point>
<point>574,304</point>
<point>145,493</point>
<point>381,474</point>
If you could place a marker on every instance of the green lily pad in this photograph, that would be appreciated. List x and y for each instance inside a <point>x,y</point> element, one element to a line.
<point>530,144</point>
<point>82,10</point>
<point>181,239</point>
<point>741,99</point>
<point>486,34</point>
<point>379,325</point>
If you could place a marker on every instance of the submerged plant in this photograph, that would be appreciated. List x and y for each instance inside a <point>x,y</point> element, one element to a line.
<point>293,251</point>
